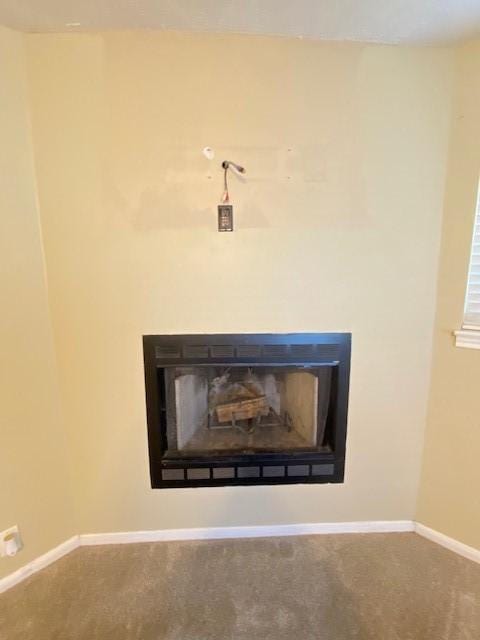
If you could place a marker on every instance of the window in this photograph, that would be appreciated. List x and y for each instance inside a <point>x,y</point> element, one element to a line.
<point>469,336</point>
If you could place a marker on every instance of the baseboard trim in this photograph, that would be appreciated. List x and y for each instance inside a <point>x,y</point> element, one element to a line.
<point>263,531</point>
<point>39,563</point>
<point>449,543</point>
<point>217,533</point>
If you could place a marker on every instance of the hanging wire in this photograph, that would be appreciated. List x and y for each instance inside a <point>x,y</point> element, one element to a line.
<point>226,165</point>
<point>226,195</point>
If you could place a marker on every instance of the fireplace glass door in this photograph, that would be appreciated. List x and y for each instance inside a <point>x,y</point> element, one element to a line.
<point>246,409</point>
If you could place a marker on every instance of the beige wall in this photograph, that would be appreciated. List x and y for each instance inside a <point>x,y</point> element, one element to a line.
<point>449,498</point>
<point>337,228</point>
<point>34,486</point>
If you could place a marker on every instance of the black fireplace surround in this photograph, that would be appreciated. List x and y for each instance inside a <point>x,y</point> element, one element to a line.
<point>246,409</point>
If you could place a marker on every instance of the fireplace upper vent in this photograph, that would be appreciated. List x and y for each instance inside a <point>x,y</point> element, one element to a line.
<point>167,351</point>
<point>269,352</point>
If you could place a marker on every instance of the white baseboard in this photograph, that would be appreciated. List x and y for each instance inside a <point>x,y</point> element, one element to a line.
<point>39,563</point>
<point>263,531</point>
<point>216,533</point>
<point>207,533</point>
<point>449,543</point>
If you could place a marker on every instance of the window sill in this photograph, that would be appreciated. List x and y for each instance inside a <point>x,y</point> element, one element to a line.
<point>467,338</point>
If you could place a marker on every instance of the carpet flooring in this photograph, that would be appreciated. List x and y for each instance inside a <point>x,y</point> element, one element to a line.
<point>329,587</point>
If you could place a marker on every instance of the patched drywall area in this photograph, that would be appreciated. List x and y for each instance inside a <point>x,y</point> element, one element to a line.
<point>449,497</point>
<point>35,490</point>
<point>337,228</point>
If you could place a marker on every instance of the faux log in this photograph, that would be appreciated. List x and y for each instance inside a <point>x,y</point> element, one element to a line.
<point>242,409</point>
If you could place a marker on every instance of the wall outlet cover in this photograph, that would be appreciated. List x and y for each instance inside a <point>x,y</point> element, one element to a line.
<point>10,542</point>
<point>225,217</point>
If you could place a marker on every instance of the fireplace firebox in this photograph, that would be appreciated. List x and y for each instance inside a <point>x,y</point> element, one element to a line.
<point>246,409</point>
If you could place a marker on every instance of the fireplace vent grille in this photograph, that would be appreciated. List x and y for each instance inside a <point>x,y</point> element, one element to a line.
<point>249,351</point>
<point>302,350</point>
<point>275,350</point>
<point>222,351</point>
<point>167,351</point>
<point>247,474</point>
<point>328,352</point>
<point>195,351</point>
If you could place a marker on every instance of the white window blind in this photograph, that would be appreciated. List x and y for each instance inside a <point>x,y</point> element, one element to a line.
<point>472,301</point>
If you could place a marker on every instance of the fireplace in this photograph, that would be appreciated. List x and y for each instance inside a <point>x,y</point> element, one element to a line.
<point>246,409</point>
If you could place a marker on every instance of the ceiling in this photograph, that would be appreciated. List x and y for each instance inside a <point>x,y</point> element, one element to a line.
<point>387,21</point>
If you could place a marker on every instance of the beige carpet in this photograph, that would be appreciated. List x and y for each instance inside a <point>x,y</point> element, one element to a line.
<point>374,586</point>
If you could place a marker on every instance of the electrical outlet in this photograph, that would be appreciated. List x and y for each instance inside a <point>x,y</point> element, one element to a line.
<point>225,217</point>
<point>10,542</point>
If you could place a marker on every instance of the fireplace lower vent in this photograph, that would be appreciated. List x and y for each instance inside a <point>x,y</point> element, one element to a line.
<point>246,409</point>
